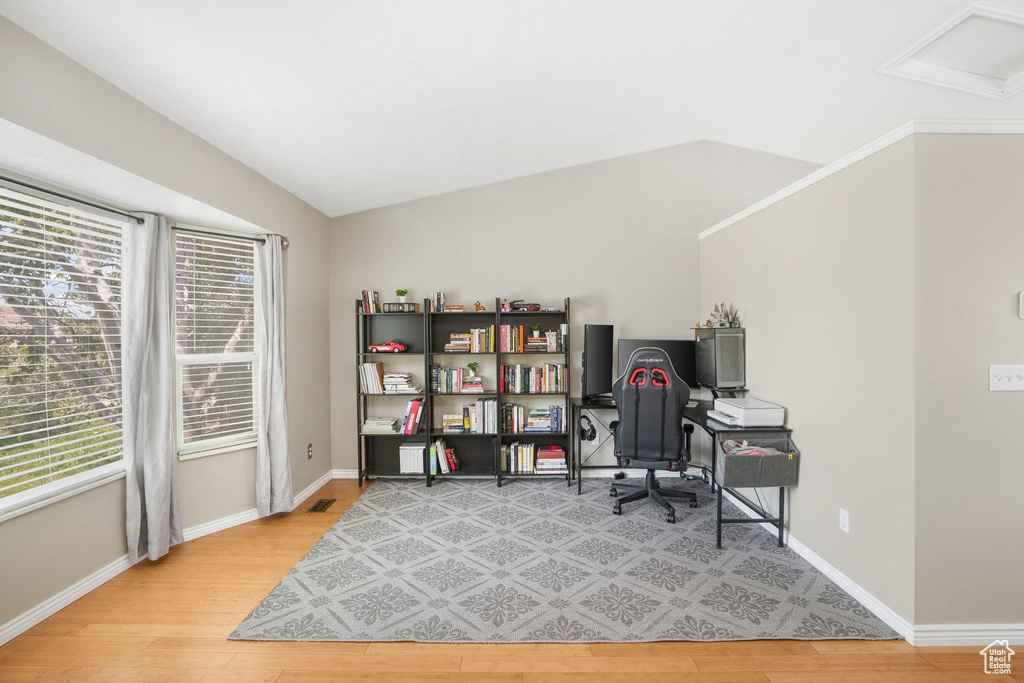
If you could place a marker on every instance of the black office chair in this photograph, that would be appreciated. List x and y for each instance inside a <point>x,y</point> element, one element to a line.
<point>649,433</point>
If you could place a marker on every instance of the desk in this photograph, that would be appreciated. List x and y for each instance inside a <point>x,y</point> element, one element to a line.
<point>718,431</point>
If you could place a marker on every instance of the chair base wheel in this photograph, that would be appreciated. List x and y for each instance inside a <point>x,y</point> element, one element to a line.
<point>617,510</point>
<point>670,517</point>
<point>693,504</point>
<point>614,492</point>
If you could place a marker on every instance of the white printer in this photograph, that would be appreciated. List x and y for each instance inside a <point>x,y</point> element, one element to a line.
<point>748,412</point>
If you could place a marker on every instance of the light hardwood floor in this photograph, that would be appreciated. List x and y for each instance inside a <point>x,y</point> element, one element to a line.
<point>168,621</point>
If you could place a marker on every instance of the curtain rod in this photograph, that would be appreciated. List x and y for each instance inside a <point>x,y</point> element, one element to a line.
<point>140,221</point>
<point>227,233</point>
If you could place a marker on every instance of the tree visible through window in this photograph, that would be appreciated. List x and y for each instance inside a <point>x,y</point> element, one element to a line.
<point>60,342</point>
<point>215,297</point>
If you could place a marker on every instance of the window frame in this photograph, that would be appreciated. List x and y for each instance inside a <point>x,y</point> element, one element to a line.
<point>52,492</point>
<point>232,442</point>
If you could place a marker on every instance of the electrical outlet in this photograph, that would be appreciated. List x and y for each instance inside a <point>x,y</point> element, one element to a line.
<point>309,452</point>
<point>844,520</point>
<point>1006,378</point>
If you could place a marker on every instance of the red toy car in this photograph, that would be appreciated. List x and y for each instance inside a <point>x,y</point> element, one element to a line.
<point>390,346</point>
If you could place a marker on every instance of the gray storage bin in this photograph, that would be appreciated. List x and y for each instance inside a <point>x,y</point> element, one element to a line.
<point>755,471</point>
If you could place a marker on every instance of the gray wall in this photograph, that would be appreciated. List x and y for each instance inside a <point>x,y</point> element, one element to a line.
<point>48,549</point>
<point>970,510</point>
<point>824,282</point>
<point>620,235</point>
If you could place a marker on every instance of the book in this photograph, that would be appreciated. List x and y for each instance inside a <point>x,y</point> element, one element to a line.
<point>549,378</point>
<point>371,378</point>
<point>401,308</point>
<point>436,302</point>
<point>380,425</point>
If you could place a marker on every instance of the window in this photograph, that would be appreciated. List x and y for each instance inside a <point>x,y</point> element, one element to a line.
<point>60,347</point>
<point>215,319</point>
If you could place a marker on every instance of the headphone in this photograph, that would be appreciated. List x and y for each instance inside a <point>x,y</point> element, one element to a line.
<point>589,432</point>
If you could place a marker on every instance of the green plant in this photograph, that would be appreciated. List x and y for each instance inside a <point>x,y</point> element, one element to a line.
<point>536,327</point>
<point>473,367</point>
<point>401,292</point>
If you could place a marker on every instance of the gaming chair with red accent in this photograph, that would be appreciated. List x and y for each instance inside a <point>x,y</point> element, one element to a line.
<point>649,433</point>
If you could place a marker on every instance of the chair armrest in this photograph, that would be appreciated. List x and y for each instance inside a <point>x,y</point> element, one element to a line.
<point>687,433</point>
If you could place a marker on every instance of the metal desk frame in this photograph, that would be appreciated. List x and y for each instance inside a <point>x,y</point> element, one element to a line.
<point>717,431</point>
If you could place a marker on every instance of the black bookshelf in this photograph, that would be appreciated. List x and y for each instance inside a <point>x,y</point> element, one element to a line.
<point>427,333</point>
<point>378,451</point>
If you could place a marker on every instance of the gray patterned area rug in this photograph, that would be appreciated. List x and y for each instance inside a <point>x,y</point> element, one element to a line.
<point>465,561</point>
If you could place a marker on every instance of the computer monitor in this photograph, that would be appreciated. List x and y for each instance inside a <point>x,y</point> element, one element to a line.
<point>597,359</point>
<point>682,353</point>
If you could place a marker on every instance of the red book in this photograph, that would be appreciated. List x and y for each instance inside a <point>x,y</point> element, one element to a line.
<point>410,424</point>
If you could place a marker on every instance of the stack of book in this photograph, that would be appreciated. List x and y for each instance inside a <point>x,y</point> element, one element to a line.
<point>518,339</point>
<point>473,385</point>
<point>452,423</point>
<point>436,302</point>
<point>442,458</point>
<point>454,381</point>
<point>458,342</point>
<point>517,419</point>
<point>550,460</point>
<point>370,301</point>
<point>413,416</point>
<point>371,378</point>
<point>477,340</point>
<point>524,379</point>
<point>410,457</point>
<point>400,383</point>
<point>536,344</point>
<point>454,308</point>
<point>380,425</point>
<point>545,420</point>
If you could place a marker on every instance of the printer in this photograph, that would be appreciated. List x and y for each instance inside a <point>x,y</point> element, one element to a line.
<point>748,412</point>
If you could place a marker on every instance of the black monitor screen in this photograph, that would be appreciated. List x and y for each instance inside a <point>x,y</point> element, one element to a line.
<point>597,359</point>
<point>683,355</point>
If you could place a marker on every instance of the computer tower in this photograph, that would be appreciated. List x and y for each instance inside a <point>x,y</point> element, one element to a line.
<point>720,357</point>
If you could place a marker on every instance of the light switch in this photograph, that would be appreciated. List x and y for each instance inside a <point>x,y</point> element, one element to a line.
<point>1006,378</point>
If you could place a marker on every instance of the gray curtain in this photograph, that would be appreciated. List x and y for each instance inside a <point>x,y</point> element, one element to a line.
<point>153,523</point>
<point>273,472</point>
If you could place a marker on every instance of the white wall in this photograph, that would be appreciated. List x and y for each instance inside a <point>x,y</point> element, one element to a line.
<point>970,441</point>
<point>824,281</point>
<point>617,236</point>
<point>47,93</point>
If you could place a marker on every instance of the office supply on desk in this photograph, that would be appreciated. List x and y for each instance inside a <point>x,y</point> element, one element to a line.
<point>597,360</point>
<point>649,434</point>
<point>748,412</point>
<point>681,352</point>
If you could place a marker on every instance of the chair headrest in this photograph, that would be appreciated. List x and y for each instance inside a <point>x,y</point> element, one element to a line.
<point>649,366</point>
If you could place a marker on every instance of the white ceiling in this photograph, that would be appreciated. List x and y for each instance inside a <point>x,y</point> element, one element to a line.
<point>353,105</point>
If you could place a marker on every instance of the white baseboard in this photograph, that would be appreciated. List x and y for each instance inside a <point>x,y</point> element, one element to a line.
<point>345,474</point>
<point>213,526</point>
<point>305,493</point>
<point>962,635</point>
<point>879,608</point>
<point>26,620</point>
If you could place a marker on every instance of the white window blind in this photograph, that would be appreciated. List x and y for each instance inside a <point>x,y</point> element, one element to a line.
<point>215,311</point>
<point>60,346</point>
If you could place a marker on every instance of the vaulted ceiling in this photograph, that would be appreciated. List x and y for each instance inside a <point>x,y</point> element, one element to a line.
<point>353,105</point>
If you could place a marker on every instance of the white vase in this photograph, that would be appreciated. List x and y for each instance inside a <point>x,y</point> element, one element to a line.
<point>535,333</point>
<point>401,299</point>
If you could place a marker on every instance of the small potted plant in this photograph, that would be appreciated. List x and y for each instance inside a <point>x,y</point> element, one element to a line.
<point>473,367</point>
<point>400,293</point>
<point>536,328</point>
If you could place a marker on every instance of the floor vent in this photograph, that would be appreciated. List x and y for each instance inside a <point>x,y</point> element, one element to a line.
<point>322,505</point>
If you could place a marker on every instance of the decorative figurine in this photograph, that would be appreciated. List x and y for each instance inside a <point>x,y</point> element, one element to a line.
<point>479,306</point>
<point>390,346</point>
<point>504,306</point>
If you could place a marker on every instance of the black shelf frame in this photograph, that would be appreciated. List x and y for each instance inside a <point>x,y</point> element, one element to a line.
<point>479,454</point>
